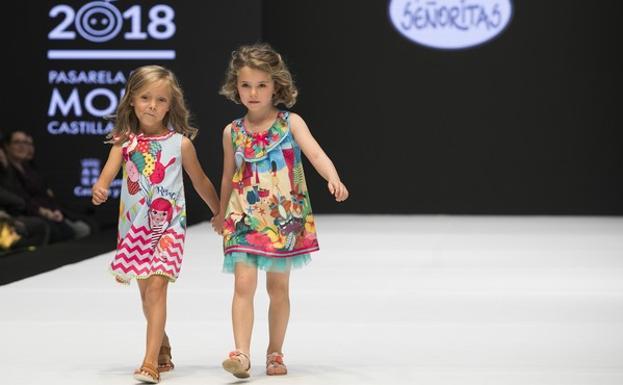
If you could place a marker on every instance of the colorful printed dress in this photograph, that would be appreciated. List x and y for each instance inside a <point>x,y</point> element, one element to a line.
<point>152,212</point>
<point>268,222</point>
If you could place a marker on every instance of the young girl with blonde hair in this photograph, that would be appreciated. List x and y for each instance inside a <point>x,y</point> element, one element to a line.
<point>152,140</point>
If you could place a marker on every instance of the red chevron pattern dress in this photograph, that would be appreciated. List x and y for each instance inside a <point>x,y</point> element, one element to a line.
<point>152,212</point>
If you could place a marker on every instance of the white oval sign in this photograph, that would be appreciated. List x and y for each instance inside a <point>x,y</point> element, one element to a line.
<point>450,24</point>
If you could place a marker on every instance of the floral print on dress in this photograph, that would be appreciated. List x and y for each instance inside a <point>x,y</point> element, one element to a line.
<point>269,212</point>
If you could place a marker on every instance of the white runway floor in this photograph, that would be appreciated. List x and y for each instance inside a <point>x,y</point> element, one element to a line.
<point>388,300</point>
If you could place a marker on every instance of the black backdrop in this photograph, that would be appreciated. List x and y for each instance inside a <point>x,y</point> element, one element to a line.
<point>525,124</point>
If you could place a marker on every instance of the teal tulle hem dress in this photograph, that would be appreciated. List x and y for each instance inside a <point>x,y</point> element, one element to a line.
<point>268,264</point>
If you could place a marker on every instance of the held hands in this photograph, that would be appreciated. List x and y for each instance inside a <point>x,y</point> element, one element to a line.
<point>217,223</point>
<point>338,190</point>
<point>99,194</point>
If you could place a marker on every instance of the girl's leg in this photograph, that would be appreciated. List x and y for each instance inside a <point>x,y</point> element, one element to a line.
<point>242,305</point>
<point>238,362</point>
<point>165,362</point>
<point>277,285</point>
<point>164,357</point>
<point>154,296</point>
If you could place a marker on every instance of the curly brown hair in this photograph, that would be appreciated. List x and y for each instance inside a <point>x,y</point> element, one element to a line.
<point>125,119</point>
<point>263,57</point>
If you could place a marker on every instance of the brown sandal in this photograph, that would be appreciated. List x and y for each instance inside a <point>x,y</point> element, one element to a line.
<point>147,373</point>
<point>234,364</point>
<point>275,365</point>
<point>164,359</point>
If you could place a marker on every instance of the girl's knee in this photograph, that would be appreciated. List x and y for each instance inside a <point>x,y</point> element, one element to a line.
<point>278,290</point>
<point>155,290</point>
<point>245,285</point>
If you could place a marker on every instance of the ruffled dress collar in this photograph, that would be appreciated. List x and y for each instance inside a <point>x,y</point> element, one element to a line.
<point>255,146</point>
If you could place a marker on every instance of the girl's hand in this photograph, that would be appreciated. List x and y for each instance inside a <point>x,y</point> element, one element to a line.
<point>217,223</point>
<point>338,190</point>
<point>99,194</point>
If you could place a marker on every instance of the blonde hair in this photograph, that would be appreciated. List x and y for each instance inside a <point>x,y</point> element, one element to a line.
<point>125,119</point>
<point>263,57</point>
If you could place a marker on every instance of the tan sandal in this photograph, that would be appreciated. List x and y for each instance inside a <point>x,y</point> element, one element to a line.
<point>147,373</point>
<point>235,364</point>
<point>275,365</point>
<point>164,359</point>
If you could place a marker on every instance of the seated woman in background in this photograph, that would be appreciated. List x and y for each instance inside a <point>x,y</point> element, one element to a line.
<point>31,230</point>
<point>19,149</point>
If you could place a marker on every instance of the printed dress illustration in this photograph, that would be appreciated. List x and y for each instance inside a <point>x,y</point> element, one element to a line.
<point>152,211</point>
<point>269,215</point>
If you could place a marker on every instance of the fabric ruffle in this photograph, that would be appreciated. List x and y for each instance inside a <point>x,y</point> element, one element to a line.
<point>268,264</point>
<point>126,279</point>
<point>253,147</point>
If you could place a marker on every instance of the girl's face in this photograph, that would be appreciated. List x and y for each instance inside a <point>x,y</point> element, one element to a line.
<point>255,88</point>
<point>151,104</point>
